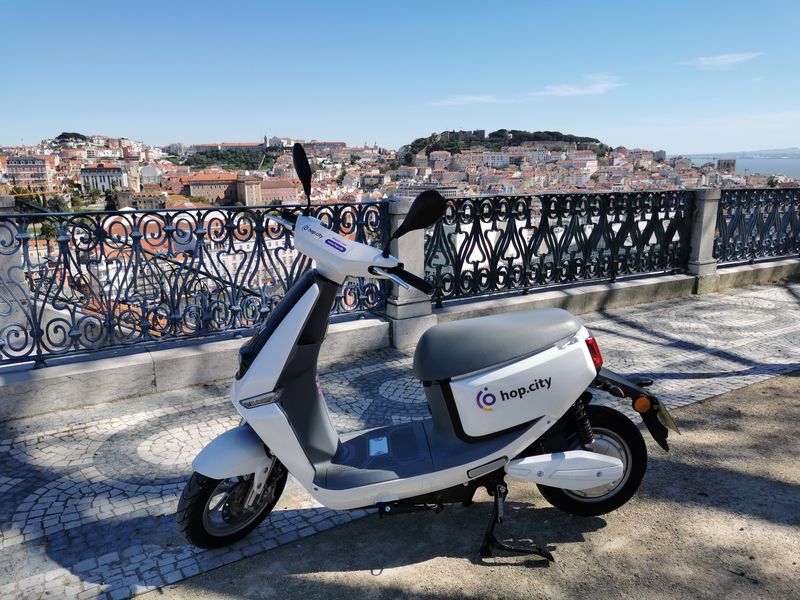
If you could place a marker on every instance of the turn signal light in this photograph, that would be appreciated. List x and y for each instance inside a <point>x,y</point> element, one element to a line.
<point>594,352</point>
<point>641,404</point>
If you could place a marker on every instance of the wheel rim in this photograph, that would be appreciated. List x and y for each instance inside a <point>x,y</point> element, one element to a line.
<point>225,514</point>
<point>608,443</point>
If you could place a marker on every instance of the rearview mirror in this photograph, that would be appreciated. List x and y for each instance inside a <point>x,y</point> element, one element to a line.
<point>426,209</point>
<point>302,168</point>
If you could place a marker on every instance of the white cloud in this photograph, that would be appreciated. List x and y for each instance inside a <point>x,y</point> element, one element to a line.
<point>464,100</point>
<point>722,61</point>
<point>594,85</point>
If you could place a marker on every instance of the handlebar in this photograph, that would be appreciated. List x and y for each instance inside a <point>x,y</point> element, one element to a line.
<point>405,278</point>
<point>398,274</point>
<point>287,219</point>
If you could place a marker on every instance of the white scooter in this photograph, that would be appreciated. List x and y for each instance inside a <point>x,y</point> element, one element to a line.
<point>507,395</point>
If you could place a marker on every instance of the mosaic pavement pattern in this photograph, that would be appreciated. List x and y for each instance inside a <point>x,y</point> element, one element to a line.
<point>87,498</point>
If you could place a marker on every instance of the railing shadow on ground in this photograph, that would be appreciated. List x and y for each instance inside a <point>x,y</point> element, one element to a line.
<point>749,366</point>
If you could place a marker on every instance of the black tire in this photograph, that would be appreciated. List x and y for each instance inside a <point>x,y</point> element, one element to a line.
<point>195,498</point>
<point>613,424</point>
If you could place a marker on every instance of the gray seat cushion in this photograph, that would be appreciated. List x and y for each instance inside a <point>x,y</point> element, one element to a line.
<point>459,347</point>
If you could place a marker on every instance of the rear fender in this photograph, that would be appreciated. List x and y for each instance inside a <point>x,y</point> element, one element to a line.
<point>624,388</point>
<point>238,451</point>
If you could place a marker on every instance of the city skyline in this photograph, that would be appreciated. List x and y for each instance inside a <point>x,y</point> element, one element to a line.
<point>697,79</point>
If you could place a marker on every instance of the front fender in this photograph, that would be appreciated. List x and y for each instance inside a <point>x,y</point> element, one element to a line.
<point>238,451</point>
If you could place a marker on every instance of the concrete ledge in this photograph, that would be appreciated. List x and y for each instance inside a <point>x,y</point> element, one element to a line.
<point>759,273</point>
<point>578,300</point>
<point>37,391</point>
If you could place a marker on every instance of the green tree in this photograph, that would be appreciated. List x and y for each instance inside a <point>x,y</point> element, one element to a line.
<point>94,195</point>
<point>772,181</point>
<point>48,231</point>
<point>58,203</point>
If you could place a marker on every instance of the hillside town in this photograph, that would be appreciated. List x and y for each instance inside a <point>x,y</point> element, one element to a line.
<point>96,171</point>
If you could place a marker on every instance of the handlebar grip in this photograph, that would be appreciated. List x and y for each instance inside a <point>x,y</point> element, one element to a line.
<point>412,280</point>
<point>288,215</point>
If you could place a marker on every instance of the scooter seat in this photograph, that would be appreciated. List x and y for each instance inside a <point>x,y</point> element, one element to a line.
<point>451,349</point>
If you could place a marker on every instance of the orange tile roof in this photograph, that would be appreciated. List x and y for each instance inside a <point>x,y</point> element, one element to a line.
<point>278,183</point>
<point>210,177</point>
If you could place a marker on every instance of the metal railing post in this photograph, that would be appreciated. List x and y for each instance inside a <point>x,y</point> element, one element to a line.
<point>409,311</point>
<point>702,263</point>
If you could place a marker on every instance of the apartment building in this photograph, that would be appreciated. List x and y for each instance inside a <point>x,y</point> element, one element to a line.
<point>220,187</point>
<point>31,171</point>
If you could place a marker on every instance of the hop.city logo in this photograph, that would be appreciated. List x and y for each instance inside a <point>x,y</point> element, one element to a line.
<point>485,400</point>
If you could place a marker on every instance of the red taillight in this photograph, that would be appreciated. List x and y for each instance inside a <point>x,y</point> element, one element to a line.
<point>594,352</point>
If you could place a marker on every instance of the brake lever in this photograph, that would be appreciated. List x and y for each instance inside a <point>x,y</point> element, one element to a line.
<point>387,275</point>
<point>281,221</point>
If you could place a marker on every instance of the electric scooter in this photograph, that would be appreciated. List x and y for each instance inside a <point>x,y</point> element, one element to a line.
<point>508,396</point>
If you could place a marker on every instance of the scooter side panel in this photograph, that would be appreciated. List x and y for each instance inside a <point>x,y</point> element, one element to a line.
<point>546,383</point>
<point>263,374</point>
<point>272,426</point>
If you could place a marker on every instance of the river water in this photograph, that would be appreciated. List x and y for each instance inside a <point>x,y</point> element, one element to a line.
<point>766,166</point>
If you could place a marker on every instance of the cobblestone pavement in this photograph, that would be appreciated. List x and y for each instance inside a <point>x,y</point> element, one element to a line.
<point>87,497</point>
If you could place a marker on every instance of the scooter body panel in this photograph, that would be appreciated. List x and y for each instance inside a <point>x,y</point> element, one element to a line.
<point>262,376</point>
<point>546,383</point>
<point>336,256</point>
<point>570,470</point>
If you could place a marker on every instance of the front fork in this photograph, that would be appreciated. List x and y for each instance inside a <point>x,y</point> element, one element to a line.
<point>260,479</point>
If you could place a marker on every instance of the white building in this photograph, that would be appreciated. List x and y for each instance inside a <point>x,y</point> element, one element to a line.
<point>497,160</point>
<point>103,176</point>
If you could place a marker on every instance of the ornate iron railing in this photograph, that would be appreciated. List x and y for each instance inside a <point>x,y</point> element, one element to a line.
<point>497,244</point>
<point>757,223</point>
<point>81,282</point>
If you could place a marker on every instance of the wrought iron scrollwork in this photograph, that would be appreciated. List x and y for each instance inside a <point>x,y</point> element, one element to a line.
<point>757,223</point>
<point>81,282</point>
<point>488,245</point>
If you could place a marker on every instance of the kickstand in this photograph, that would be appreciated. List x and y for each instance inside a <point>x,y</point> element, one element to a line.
<point>491,542</point>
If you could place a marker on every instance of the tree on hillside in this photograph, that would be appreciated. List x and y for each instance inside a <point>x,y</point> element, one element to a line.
<point>71,135</point>
<point>58,203</point>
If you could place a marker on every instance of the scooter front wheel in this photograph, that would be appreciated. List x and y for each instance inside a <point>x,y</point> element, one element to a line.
<point>615,435</point>
<point>214,512</point>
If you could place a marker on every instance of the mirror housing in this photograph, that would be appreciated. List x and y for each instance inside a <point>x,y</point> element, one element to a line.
<point>303,170</point>
<point>426,209</point>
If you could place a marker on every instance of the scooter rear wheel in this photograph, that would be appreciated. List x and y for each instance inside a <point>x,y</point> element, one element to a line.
<point>615,435</point>
<point>211,512</point>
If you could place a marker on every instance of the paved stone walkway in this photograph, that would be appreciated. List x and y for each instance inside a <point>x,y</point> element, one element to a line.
<point>87,497</point>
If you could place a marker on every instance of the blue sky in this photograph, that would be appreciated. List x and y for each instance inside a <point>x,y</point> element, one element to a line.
<point>683,76</point>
